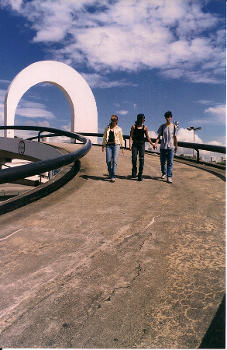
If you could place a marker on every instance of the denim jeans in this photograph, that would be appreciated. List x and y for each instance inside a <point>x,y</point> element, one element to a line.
<point>138,147</point>
<point>112,152</point>
<point>166,155</point>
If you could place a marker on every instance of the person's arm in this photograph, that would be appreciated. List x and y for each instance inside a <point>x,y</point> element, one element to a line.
<point>104,140</point>
<point>121,141</point>
<point>158,138</point>
<point>131,136</point>
<point>148,137</point>
<point>157,141</point>
<point>175,143</point>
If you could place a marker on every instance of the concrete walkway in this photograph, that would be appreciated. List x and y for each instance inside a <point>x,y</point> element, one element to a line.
<point>115,265</point>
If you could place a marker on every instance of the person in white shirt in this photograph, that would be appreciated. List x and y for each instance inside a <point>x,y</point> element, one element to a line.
<point>112,141</point>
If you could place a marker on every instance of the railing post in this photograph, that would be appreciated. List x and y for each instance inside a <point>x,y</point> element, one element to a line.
<point>39,136</point>
<point>197,156</point>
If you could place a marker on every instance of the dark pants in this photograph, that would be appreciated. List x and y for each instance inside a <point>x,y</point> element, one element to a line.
<point>137,148</point>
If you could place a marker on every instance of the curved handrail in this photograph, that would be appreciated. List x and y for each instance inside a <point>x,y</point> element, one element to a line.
<point>202,146</point>
<point>19,172</point>
<point>196,146</point>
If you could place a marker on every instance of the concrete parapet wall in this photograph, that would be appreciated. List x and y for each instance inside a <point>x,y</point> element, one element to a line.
<point>24,149</point>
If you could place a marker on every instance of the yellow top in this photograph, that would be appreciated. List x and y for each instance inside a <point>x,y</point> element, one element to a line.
<point>118,137</point>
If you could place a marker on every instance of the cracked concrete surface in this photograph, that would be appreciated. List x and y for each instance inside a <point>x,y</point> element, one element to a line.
<point>115,265</point>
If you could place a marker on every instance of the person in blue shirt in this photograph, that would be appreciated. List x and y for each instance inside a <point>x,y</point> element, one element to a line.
<point>168,146</point>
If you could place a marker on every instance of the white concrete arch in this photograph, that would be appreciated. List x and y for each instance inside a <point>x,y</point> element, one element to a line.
<point>84,116</point>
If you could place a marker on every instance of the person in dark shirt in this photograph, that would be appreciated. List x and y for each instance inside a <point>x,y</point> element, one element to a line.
<point>137,145</point>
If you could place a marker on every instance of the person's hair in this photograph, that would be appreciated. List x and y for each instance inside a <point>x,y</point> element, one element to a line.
<point>114,117</point>
<point>139,118</point>
<point>168,114</point>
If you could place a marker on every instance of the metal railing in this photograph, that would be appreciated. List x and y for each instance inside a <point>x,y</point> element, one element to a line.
<point>39,167</point>
<point>196,146</point>
<point>16,173</point>
<point>190,145</point>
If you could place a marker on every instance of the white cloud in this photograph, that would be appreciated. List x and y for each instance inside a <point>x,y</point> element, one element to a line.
<point>215,114</point>
<point>188,136</point>
<point>2,97</point>
<point>99,81</point>
<point>34,113</point>
<point>122,112</point>
<point>1,116</point>
<point>29,109</point>
<point>67,127</point>
<point>4,81</point>
<point>217,143</point>
<point>205,102</point>
<point>15,4</point>
<point>172,36</point>
<point>217,110</point>
<point>152,134</point>
<point>220,141</point>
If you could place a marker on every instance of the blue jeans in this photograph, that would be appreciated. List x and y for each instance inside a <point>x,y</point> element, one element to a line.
<point>166,155</point>
<point>112,152</point>
<point>137,148</point>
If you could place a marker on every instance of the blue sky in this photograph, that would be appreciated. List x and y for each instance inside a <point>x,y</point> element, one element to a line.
<point>138,56</point>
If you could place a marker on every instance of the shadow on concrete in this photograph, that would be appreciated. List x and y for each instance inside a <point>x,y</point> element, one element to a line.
<point>96,178</point>
<point>105,177</point>
<point>215,335</point>
<point>128,177</point>
<point>65,175</point>
<point>8,196</point>
<point>157,178</point>
<point>217,172</point>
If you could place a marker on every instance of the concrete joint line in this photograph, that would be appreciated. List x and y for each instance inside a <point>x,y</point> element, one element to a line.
<point>151,222</point>
<point>114,291</point>
<point>142,231</point>
<point>11,234</point>
<point>146,227</point>
<point>139,269</point>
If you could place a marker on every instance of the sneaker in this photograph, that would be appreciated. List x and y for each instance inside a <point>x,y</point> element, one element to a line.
<point>163,176</point>
<point>134,171</point>
<point>169,180</point>
<point>140,178</point>
<point>113,179</point>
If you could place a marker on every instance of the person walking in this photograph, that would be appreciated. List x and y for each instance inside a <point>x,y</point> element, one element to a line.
<point>112,141</point>
<point>168,146</point>
<point>137,145</point>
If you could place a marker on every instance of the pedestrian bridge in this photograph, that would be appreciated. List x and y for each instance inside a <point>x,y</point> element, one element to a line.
<point>128,264</point>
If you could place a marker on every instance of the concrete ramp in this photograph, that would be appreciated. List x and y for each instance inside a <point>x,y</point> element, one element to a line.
<point>115,265</point>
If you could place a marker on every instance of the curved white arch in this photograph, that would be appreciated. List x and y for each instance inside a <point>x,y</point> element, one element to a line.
<point>84,116</point>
